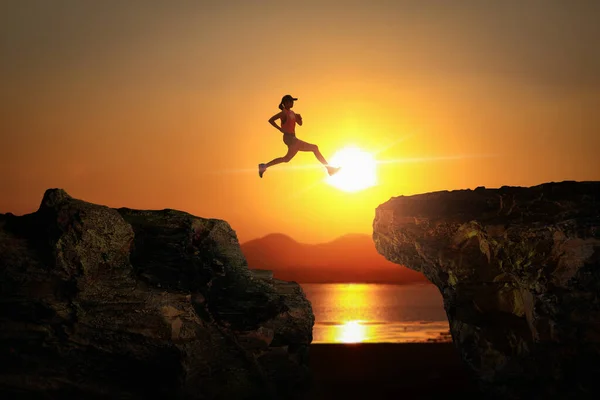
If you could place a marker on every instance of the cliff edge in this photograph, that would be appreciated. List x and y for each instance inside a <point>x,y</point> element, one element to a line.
<point>118,303</point>
<point>519,271</point>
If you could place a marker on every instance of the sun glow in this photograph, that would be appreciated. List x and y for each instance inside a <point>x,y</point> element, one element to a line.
<point>358,170</point>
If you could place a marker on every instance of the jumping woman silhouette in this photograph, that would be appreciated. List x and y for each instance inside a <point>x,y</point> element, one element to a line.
<point>294,145</point>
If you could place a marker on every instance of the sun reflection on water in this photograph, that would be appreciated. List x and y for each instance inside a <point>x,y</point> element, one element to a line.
<point>352,332</point>
<point>365,313</point>
<point>352,298</point>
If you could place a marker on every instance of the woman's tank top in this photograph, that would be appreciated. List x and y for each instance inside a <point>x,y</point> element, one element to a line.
<point>289,126</point>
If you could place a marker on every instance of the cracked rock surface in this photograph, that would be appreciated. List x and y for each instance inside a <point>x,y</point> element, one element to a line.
<point>519,271</point>
<point>99,302</point>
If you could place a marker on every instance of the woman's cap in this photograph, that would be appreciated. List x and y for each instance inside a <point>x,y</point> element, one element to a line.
<point>288,97</point>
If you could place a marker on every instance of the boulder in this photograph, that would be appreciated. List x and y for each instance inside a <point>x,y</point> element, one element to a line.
<point>519,271</point>
<point>97,302</point>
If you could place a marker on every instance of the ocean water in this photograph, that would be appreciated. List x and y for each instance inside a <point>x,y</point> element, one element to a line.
<point>373,313</point>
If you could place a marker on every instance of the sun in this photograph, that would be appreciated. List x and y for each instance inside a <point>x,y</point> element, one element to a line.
<point>357,171</point>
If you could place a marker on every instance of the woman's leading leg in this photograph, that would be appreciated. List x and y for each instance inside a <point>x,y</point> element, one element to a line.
<point>304,146</point>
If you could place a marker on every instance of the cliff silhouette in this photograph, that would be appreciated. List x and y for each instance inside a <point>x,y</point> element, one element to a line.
<point>100,302</point>
<point>519,270</point>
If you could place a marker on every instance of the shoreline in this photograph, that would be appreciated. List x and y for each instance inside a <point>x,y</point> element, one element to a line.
<point>388,371</point>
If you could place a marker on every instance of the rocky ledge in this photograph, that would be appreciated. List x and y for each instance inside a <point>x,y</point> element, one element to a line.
<point>519,271</point>
<point>99,302</point>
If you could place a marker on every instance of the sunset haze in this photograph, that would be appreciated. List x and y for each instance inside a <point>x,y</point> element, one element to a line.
<point>153,105</point>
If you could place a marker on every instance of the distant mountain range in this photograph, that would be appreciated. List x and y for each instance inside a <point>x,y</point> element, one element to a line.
<point>350,258</point>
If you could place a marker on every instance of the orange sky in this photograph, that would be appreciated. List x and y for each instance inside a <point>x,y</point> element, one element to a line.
<point>165,104</point>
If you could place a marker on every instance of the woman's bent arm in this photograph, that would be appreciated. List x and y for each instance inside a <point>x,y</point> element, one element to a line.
<point>274,118</point>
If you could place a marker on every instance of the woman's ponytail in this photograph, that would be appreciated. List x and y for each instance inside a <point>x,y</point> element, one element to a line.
<point>281,106</point>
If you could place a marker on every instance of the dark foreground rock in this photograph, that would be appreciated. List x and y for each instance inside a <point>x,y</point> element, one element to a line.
<point>519,270</point>
<point>98,302</point>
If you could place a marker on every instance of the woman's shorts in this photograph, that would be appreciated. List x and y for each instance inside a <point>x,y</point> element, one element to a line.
<point>289,139</point>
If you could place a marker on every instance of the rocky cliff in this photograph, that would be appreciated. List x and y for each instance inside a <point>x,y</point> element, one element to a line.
<point>519,270</point>
<point>118,303</point>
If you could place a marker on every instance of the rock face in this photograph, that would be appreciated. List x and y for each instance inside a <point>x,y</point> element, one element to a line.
<point>118,303</point>
<point>519,270</point>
